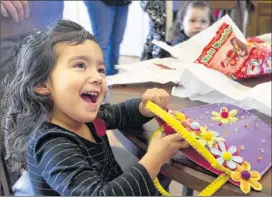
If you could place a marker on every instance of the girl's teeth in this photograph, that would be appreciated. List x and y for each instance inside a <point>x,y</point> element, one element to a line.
<point>92,93</point>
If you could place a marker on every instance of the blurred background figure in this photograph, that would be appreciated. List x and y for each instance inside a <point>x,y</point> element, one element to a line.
<point>192,18</point>
<point>109,19</point>
<point>156,10</point>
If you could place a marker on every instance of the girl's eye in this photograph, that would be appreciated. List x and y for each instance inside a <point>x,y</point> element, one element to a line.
<point>101,70</point>
<point>192,20</point>
<point>80,65</point>
<point>204,22</point>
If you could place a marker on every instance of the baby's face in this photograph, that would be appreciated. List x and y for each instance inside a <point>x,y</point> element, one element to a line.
<point>77,84</point>
<point>195,20</point>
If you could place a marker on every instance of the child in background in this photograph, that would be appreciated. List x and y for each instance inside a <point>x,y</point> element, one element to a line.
<point>191,19</point>
<point>56,123</point>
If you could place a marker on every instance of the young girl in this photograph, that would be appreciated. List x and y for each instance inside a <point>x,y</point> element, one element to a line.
<point>54,117</point>
<point>192,18</point>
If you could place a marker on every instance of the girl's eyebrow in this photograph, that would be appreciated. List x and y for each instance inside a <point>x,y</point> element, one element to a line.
<point>85,58</point>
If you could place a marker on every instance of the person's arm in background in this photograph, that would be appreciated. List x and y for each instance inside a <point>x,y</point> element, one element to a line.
<point>14,19</point>
<point>17,10</point>
<point>22,17</point>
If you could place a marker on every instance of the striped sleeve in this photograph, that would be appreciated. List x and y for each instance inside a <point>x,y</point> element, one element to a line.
<point>64,167</point>
<point>123,115</point>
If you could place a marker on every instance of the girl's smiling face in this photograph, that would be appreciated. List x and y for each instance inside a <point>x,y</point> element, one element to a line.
<point>77,85</point>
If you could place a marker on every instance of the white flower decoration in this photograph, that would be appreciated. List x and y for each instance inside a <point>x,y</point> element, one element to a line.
<point>226,156</point>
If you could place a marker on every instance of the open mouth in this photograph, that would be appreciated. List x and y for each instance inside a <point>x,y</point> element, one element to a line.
<point>90,97</point>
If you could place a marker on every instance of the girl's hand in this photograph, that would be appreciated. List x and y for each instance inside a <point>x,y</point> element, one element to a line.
<point>157,96</point>
<point>161,149</point>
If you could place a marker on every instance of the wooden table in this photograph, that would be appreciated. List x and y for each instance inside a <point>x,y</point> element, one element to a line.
<point>181,170</point>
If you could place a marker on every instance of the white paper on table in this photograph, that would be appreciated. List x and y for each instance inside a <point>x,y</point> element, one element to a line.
<point>196,76</point>
<point>212,97</point>
<point>260,98</point>
<point>210,86</point>
<point>141,65</point>
<point>147,71</point>
<point>191,49</point>
<point>250,102</point>
<point>144,77</point>
<point>151,64</point>
<point>265,37</point>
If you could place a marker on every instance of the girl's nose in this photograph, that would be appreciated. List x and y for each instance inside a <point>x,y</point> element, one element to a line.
<point>96,78</point>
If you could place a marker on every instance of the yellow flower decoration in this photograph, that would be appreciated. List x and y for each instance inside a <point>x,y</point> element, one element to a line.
<point>247,178</point>
<point>225,116</point>
<point>207,137</point>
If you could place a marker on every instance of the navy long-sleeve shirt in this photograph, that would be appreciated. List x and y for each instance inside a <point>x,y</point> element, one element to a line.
<point>62,163</point>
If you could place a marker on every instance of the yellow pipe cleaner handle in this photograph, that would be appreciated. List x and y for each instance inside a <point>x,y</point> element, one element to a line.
<point>156,180</point>
<point>215,185</point>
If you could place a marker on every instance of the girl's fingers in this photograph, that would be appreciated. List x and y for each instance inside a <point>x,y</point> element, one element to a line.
<point>174,137</point>
<point>4,11</point>
<point>9,7</point>
<point>181,144</point>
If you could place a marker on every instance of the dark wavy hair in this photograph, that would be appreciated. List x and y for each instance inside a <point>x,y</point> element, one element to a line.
<point>24,110</point>
<point>177,26</point>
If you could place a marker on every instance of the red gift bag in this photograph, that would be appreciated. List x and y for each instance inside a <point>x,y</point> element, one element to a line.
<point>236,59</point>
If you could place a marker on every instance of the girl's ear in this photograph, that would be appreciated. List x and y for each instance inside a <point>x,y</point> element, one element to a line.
<point>43,89</point>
